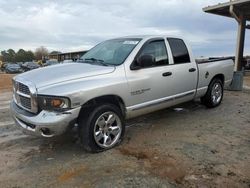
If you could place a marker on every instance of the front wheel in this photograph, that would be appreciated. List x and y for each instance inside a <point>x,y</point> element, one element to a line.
<point>102,128</point>
<point>214,94</point>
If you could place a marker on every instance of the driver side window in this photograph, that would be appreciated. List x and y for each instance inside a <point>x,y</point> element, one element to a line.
<point>158,50</point>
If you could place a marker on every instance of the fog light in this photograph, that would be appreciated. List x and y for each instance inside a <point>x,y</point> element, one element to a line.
<point>45,131</point>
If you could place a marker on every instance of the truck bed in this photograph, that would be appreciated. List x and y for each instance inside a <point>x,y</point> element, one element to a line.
<point>211,67</point>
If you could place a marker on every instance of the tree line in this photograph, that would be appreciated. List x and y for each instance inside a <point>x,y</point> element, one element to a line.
<point>22,55</point>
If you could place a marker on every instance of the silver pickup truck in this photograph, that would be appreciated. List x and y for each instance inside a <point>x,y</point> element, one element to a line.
<point>116,80</point>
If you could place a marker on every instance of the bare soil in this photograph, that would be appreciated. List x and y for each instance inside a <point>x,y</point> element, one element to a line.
<point>184,146</point>
<point>247,81</point>
<point>6,82</point>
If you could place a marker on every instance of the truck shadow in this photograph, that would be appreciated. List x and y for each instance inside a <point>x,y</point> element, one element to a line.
<point>70,141</point>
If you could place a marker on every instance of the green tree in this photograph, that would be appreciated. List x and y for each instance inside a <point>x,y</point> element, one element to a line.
<point>5,56</point>
<point>12,55</point>
<point>20,55</point>
<point>29,56</point>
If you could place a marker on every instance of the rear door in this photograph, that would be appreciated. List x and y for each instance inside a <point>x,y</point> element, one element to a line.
<point>184,71</point>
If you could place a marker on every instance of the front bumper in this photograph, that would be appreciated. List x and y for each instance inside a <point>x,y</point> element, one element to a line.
<point>45,124</point>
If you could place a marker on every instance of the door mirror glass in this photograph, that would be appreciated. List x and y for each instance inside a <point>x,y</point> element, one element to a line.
<point>146,60</point>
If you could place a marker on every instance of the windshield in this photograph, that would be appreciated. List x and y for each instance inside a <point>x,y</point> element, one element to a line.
<point>111,52</point>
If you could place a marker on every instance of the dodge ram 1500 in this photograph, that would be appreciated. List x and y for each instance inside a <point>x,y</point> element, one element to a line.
<point>116,80</point>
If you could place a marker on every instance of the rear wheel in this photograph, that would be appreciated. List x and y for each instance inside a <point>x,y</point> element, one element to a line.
<point>102,128</point>
<point>214,94</point>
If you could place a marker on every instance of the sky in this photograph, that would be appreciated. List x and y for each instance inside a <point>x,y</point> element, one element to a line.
<point>80,24</point>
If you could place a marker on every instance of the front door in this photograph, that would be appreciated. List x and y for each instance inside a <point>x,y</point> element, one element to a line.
<point>151,86</point>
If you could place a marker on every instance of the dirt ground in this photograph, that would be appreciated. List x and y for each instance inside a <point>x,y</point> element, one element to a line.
<point>246,82</point>
<point>5,82</point>
<point>184,146</point>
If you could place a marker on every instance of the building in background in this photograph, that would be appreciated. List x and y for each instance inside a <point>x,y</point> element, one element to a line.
<point>53,55</point>
<point>66,55</point>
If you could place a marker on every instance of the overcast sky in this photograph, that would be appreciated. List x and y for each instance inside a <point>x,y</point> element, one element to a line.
<point>80,24</point>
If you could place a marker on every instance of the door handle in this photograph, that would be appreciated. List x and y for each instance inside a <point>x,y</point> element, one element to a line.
<point>167,74</point>
<point>192,70</point>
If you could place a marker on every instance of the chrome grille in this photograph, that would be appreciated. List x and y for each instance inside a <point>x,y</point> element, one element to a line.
<point>23,88</point>
<point>25,102</point>
<point>24,95</point>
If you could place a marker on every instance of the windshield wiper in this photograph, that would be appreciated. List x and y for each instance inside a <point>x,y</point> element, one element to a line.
<point>100,61</point>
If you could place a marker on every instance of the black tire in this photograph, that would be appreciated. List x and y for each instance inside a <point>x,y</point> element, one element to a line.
<point>87,124</point>
<point>207,100</point>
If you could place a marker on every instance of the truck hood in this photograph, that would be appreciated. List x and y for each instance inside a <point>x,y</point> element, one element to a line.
<point>64,72</point>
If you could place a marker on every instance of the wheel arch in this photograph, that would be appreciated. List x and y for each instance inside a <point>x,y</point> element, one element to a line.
<point>206,99</point>
<point>111,99</point>
<point>219,76</point>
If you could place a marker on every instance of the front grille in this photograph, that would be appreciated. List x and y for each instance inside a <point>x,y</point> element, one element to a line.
<point>23,88</point>
<point>23,96</point>
<point>25,102</point>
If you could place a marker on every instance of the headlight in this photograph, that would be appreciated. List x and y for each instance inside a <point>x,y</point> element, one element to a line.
<point>53,103</point>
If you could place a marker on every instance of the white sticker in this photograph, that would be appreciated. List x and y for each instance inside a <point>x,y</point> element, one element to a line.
<point>134,42</point>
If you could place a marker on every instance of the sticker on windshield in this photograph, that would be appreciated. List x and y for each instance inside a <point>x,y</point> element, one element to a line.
<point>134,42</point>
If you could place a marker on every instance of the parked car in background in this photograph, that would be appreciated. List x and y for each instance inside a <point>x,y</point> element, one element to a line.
<point>13,68</point>
<point>29,66</point>
<point>50,62</point>
<point>67,61</point>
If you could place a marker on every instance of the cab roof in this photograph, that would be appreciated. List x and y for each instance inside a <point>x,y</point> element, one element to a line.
<point>149,36</point>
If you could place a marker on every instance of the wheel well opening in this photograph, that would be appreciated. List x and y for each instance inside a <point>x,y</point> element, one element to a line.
<point>221,77</point>
<point>111,99</point>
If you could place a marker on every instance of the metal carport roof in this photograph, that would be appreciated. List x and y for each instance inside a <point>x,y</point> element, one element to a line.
<point>223,9</point>
<point>240,11</point>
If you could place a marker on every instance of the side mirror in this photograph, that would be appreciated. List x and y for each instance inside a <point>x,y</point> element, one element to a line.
<point>145,60</point>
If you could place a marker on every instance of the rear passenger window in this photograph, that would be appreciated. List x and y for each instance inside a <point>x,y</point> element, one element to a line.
<point>158,50</point>
<point>179,51</point>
